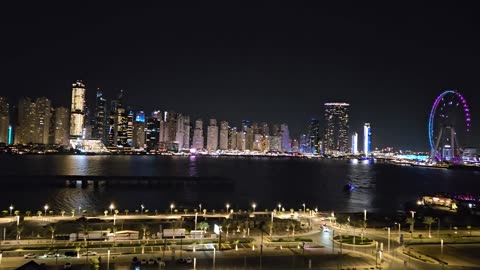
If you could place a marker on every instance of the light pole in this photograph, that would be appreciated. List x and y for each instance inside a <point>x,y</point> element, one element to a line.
<point>279,207</point>
<point>200,205</point>
<point>254,205</point>
<point>227,206</point>
<point>196,215</point>
<point>271,224</point>
<point>171,208</point>
<point>303,208</point>
<point>365,215</point>
<point>388,246</point>
<point>111,208</point>
<point>11,209</point>
<point>46,208</point>
<point>108,259</point>
<point>413,221</point>
<point>214,251</point>
<point>142,206</point>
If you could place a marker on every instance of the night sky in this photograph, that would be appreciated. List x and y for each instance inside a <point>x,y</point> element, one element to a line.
<point>265,62</point>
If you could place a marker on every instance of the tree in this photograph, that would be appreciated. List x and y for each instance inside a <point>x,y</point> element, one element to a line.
<point>116,211</point>
<point>16,213</point>
<point>429,220</point>
<point>28,212</point>
<point>84,228</point>
<point>105,212</point>
<point>63,213</point>
<point>185,211</point>
<point>126,212</point>
<point>469,228</point>
<point>203,226</point>
<point>73,212</point>
<point>39,213</point>
<point>144,228</point>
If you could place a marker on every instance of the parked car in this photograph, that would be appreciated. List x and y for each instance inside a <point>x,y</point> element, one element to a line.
<point>188,260</point>
<point>67,265</point>
<point>151,261</point>
<point>30,256</point>
<point>143,261</point>
<point>89,253</point>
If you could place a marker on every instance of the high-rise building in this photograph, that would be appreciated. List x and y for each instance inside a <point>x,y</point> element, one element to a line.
<point>285,134</point>
<point>171,121</point>
<point>304,143</point>
<point>100,127</point>
<point>355,143</point>
<point>314,136</point>
<point>4,120</point>
<point>275,143</point>
<point>336,131</point>
<point>232,138</point>
<point>295,146</point>
<point>224,130</point>
<point>367,139</point>
<point>198,139</point>
<point>77,112</point>
<point>257,142</point>
<point>43,116</point>
<point>180,131</point>
<point>250,138</point>
<point>264,129</point>
<point>152,133</point>
<point>138,139</point>
<point>241,141</point>
<point>186,132</point>
<point>212,136</point>
<point>61,131</point>
<point>25,121</point>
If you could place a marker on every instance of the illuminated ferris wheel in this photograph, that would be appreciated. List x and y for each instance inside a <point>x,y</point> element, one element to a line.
<point>448,127</point>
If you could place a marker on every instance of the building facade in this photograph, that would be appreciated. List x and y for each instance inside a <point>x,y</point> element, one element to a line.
<point>336,130</point>
<point>77,111</point>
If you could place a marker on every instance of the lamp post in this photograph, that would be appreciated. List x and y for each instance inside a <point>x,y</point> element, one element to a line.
<point>279,207</point>
<point>171,208</point>
<point>196,215</point>
<point>303,208</point>
<point>11,209</point>
<point>227,206</point>
<point>108,259</point>
<point>254,205</point>
<point>271,224</point>
<point>46,208</point>
<point>388,245</point>
<point>200,205</point>
<point>142,206</point>
<point>111,208</point>
<point>413,221</point>
<point>365,215</point>
<point>214,251</point>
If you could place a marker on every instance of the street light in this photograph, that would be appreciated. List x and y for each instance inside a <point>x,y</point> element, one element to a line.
<point>228,206</point>
<point>365,214</point>
<point>111,208</point>
<point>200,205</point>
<point>46,208</point>
<point>271,225</point>
<point>279,207</point>
<point>142,206</point>
<point>254,205</point>
<point>11,209</point>
<point>413,221</point>
<point>171,208</point>
<point>303,208</point>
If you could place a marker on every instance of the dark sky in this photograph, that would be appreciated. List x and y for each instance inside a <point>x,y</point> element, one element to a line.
<point>264,63</point>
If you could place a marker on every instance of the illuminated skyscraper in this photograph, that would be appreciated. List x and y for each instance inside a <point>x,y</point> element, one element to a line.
<point>138,139</point>
<point>152,134</point>
<point>186,132</point>
<point>43,116</point>
<point>77,112</point>
<point>336,131</point>
<point>285,134</point>
<point>212,135</point>
<point>4,120</point>
<point>224,130</point>
<point>314,136</point>
<point>198,139</point>
<point>61,130</point>
<point>367,139</point>
<point>100,128</point>
<point>232,138</point>
<point>355,143</point>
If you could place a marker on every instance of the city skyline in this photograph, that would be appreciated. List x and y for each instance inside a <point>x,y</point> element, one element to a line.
<point>281,65</point>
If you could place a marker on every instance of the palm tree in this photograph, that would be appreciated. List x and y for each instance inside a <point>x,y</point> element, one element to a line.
<point>469,228</point>
<point>63,213</point>
<point>126,212</point>
<point>16,213</point>
<point>28,212</point>
<point>84,228</point>
<point>144,228</point>
<point>39,213</point>
<point>185,211</point>
<point>116,211</point>
<point>429,220</point>
<point>203,226</point>
<point>73,212</point>
<point>227,225</point>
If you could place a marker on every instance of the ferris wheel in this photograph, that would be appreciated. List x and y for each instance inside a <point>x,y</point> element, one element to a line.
<point>448,127</point>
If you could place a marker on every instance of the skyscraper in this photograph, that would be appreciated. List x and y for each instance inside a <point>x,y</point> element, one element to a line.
<point>355,143</point>
<point>224,130</point>
<point>43,116</point>
<point>314,136</point>
<point>138,139</point>
<point>77,112</point>
<point>212,136</point>
<point>232,138</point>
<point>61,130</point>
<point>152,134</point>
<point>186,132</point>
<point>100,128</point>
<point>4,120</point>
<point>366,139</point>
<point>336,131</point>
<point>285,134</point>
<point>198,139</point>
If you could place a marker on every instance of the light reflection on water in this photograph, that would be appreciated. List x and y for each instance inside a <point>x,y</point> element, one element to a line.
<point>292,182</point>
